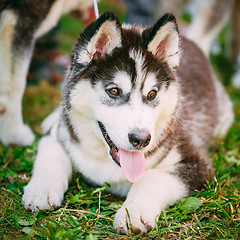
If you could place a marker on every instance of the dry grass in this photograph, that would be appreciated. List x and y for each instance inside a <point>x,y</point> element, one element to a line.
<point>88,212</point>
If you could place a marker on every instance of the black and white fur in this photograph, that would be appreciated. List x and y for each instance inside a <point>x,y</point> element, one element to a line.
<point>149,92</point>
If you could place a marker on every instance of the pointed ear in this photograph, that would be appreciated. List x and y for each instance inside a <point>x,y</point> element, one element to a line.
<point>98,39</point>
<point>162,40</point>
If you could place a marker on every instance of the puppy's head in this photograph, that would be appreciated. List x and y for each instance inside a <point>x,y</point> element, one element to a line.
<point>122,80</point>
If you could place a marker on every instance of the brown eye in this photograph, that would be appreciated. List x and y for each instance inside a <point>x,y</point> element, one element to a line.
<point>151,95</point>
<point>114,92</point>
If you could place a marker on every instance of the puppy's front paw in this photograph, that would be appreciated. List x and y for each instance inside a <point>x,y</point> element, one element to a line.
<point>40,195</point>
<point>136,219</point>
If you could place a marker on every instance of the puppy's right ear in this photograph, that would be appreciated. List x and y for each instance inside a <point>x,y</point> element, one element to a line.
<point>98,39</point>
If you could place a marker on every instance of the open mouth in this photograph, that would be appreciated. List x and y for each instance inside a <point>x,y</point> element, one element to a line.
<point>133,164</point>
<point>113,148</point>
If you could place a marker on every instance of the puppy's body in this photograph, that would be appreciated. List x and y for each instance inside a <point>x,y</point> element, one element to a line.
<point>128,117</point>
<point>21,23</point>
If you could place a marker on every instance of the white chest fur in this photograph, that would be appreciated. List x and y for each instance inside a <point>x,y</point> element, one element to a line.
<point>92,160</point>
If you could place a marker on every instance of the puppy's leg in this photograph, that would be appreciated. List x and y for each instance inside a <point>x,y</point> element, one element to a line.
<point>52,170</point>
<point>14,63</point>
<point>146,199</point>
<point>174,178</point>
<point>51,119</point>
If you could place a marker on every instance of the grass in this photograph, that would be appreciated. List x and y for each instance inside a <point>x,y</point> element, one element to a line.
<point>88,212</point>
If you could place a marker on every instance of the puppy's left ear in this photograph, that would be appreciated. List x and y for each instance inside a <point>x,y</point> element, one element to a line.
<point>163,41</point>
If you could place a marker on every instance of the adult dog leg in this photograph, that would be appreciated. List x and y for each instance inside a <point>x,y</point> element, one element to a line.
<point>51,172</point>
<point>14,63</point>
<point>235,42</point>
<point>209,19</point>
<point>225,111</point>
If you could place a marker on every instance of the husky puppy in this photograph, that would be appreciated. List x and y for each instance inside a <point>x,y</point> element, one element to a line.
<point>139,107</point>
<point>21,23</point>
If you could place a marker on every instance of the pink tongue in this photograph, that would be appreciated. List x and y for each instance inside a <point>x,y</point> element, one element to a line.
<point>133,164</point>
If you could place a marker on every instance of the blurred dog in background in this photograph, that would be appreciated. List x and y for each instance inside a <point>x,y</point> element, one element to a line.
<point>21,23</point>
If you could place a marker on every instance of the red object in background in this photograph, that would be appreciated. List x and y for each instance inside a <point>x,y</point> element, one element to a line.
<point>90,17</point>
<point>85,17</point>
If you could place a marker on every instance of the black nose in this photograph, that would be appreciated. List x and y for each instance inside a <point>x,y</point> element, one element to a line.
<point>139,138</point>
